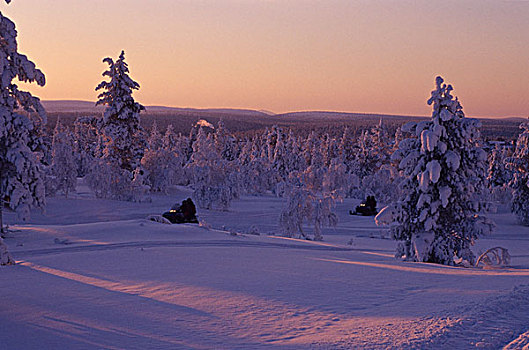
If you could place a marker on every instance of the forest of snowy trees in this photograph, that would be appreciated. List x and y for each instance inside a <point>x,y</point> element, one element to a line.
<point>441,169</point>
<point>434,175</point>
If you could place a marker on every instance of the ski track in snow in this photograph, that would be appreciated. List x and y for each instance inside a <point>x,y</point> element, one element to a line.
<point>168,244</point>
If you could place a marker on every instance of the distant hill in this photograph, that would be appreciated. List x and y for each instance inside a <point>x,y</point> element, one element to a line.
<point>247,121</point>
<point>65,106</point>
<point>74,106</point>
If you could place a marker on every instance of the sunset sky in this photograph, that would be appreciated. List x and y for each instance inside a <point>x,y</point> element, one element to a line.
<point>285,55</point>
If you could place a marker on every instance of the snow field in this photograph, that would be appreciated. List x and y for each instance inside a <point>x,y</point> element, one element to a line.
<point>115,281</point>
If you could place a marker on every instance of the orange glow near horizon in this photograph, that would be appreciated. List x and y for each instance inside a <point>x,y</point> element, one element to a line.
<point>375,56</point>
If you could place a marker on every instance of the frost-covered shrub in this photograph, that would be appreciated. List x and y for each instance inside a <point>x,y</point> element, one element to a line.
<point>438,216</point>
<point>519,164</point>
<point>304,205</point>
<point>494,258</point>
<point>5,257</point>
<point>311,198</point>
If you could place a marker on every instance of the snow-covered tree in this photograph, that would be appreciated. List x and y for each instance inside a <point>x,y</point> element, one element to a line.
<point>124,142</point>
<point>312,194</point>
<point>373,151</point>
<point>306,204</point>
<point>499,175</point>
<point>210,176</point>
<point>21,181</point>
<point>164,160</point>
<point>295,161</point>
<point>225,142</point>
<point>438,216</point>
<point>254,167</point>
<point>85,143</point>
<point>155,141</point>
<point>121,119</point>
<point>63,168</point>
<point>519,164</point>
<point>21,178</point>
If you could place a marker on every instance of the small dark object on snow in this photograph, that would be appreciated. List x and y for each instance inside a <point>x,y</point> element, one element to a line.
<point>181,213</point>
<point>367,208</point>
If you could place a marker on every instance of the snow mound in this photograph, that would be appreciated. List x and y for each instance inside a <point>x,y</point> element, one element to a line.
<point>489,324</point>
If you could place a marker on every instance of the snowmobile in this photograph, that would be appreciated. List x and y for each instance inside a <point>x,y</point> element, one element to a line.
<point>368,207</point>
<point>182,213</point>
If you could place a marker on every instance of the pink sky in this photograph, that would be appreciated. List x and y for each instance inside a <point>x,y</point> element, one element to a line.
<point>359,56</point>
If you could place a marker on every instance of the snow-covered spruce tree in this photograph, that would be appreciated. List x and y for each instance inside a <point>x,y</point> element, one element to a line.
<point>254,168</point>
<point>63,167</point>
<point>519,164</point>
<point>210,177</point>
<point>499,175</point>
<point>225,142</point>
<point>155,141</point>
<point>176,146</point>
<point>124,144</point>
<point>85,143</point>
<point>438,216</point>
<point>21,182</point>
<point>99,176</point>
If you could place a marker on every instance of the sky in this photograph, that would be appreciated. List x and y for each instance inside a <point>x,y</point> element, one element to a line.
<point>370,56</point>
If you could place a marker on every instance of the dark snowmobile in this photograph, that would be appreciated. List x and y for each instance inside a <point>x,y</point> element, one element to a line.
<point>182,213</point>
<point>368,207</point>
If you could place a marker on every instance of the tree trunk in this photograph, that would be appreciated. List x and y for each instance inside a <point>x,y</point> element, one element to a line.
<point>1,216</point>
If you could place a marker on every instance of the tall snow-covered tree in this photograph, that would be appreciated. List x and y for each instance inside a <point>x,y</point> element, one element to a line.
<point>124,144</point>
<point>121,119</point>
<point>438,216</point>
<point>519,164</point>
<point>21,180</point>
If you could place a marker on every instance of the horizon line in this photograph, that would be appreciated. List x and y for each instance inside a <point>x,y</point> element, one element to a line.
<point>272,113</point>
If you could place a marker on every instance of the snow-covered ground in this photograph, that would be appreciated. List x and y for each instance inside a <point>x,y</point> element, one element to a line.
<point>95,274</point>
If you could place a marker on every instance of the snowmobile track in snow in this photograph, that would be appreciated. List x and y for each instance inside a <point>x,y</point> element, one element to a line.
<point>168,244</point>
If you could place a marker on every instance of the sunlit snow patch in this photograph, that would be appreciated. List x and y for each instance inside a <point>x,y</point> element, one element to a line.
<point>204,123</point>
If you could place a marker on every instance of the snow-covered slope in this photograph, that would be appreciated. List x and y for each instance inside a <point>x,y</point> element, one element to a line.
<point>95,274</point>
